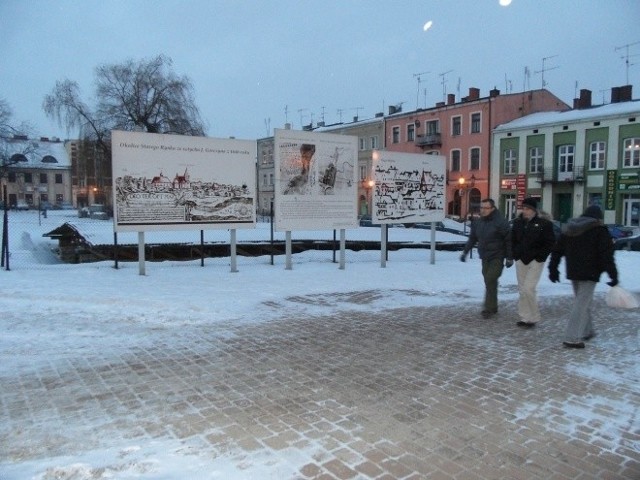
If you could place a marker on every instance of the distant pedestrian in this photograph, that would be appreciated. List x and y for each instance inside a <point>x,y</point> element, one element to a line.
<point>493,235</point>
<point>588,248</point>
<point>532,239</point>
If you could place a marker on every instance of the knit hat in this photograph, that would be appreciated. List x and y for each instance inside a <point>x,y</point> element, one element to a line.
<point>593,211</point>
<point>530,202</point>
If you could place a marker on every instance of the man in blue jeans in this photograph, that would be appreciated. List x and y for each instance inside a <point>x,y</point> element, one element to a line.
<point>492,233</point>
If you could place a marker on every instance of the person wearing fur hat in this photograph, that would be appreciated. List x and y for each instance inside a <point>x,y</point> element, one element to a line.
<point>588,248</point>
<point>532,238</point>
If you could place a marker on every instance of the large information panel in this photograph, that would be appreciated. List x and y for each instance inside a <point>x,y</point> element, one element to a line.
<point>177,182</point>
<point>315,181</point>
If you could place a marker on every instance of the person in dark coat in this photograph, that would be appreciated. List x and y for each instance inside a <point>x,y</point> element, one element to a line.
<point>493,235</point>
<point>588,248</point>
<point>532,238</point>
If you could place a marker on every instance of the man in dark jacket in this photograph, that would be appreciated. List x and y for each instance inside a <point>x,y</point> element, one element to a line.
<point>588,248</point>
<point>532,238</point>
<point>492,234</point>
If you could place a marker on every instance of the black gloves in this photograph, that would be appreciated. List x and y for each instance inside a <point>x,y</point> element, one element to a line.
<point>463,257</point>
<point>508,263</point>
<point>613,282</point>
<point>554,276</point>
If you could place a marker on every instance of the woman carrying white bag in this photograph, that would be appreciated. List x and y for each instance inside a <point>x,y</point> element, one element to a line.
<point>588,248</point>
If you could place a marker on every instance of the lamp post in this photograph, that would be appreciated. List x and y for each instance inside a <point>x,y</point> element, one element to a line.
<point>368,185</point>
<point>464,192</point>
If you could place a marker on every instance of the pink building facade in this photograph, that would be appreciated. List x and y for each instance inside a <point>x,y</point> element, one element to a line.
<point>462,132</point>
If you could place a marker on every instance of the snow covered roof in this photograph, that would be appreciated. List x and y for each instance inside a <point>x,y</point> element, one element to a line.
<point>601,112</point>
<point>33,153</point>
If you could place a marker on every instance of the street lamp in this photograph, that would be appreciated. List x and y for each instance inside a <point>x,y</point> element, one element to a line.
<point>464,191</point>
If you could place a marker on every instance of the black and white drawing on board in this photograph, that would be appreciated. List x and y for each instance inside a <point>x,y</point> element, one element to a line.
<point>409,187</point>
<point>315,180</point>
<point>182,182</point>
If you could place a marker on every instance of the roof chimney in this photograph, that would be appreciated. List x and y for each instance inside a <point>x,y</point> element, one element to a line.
<point>474,93</point>
<point>439,104</point>
<point>615,95</point>
<point>585,98</point>
<point>494,93</point>
<point>451,98</point>
<point>625,93</point>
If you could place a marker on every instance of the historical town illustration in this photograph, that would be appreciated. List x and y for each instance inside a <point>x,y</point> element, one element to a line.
<point>408,191</point>
<point>181,199</point>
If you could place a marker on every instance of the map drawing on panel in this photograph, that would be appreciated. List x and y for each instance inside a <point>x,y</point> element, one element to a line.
<point>181,198</point>
<point>407,193</point>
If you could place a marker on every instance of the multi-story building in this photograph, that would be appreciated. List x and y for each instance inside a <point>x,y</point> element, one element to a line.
<point>90,173</point>
<point>36,172</point>
<point>569,160</point>
<point>461,131</point>
<point>265,179</point>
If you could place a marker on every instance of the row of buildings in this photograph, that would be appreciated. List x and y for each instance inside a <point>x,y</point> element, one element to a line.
<point>500,146</point>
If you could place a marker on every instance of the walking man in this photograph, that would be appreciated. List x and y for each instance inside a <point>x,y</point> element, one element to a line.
<point>588,248</point>
<point>492,234</point>
<point>532,239</point>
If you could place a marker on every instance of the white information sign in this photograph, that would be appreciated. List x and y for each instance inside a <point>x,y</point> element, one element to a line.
<point>177,182</point>
<point>316,185</point>
<point>409,187</point>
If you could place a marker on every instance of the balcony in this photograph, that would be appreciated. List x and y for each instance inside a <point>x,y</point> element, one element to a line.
<point>429,140</point>
<point>551,175</point>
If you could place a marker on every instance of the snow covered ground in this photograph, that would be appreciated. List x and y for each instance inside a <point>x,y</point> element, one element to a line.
<point>73,307</point>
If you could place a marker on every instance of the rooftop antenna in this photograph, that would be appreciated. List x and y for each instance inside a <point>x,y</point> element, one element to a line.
<point>526,85</point>
<point>340,110</point>
<point>300,110</point>
<point>602,92</point>
<point>357,109</point>
<point>444,85</point>
<point>418,76</point>
<point>286,114</point>
<point>545,69</point>
<point>626,56</point>
<point>267,125</point>
<point>458,87</point>
<point>322,114</point>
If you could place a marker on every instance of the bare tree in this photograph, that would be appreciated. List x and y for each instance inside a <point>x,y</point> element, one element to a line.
<point>144,94</point>
<point>9,149</point>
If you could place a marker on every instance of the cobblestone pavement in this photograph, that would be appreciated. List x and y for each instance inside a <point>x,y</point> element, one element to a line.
<point>411,393</point>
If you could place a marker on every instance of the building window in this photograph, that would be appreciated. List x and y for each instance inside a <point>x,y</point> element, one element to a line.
<point>374,142</point>
<point>59,198</point>
<point>597,151</point>
<point>455,160</point>
<point>363,172</point>
<point>475,123</point>
<point>411,132</point>
<point>264,180</point>
<point>28,177</point>
<point>474,159</point>
<point>363,143</point>
<point>395,135</point>
<point>43,178</point>
<point>433,127</point>
<point>565,158</point>
<point>631,152</point>
<point>510,161</point>
<point>456,125</point>
<point>536,160</point>
<point>271,179</point>
<point>58,178</point>
<point>11,176</point>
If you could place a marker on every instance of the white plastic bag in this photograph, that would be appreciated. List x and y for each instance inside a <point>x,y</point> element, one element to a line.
<point>618,297</point>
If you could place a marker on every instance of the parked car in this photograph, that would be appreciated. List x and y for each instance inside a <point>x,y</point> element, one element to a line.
<point>619,231</point>
<point>95,210</point>
<point>21,205</point>
<point>64,206</point>
<point>627,243</point>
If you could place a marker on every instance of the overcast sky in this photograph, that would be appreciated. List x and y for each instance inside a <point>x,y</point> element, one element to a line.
<point>257,64</point>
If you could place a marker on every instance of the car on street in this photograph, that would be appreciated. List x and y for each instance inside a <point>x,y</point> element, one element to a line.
<point>619,231</point>
<point>21,205</point>
<point>627,243</point>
